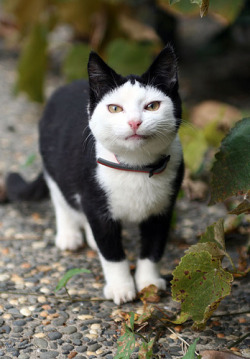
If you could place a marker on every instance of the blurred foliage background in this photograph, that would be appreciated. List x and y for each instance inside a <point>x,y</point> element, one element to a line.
<point>57,35</point>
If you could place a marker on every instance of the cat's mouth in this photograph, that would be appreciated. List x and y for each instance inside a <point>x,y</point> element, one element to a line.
<point>136,137</point>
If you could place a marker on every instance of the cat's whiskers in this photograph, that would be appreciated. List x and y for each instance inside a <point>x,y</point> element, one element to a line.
<point>89,137</point>
<point>185,123</point>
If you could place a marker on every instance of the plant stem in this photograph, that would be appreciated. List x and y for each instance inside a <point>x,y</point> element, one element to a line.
<point>238,340</point>
<point>230,314</point>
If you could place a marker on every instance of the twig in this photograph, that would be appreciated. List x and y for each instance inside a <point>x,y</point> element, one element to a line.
<point>65,298</point>
<point>230,314</point>
<point>179,337</point>
<point>238,340</point>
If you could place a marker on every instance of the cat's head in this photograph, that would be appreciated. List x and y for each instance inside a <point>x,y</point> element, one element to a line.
<point>135,113</point>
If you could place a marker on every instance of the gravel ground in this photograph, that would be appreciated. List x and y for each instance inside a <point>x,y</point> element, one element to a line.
<point>34,322</point>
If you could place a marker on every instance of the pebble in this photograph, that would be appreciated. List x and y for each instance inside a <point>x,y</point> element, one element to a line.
<point>94,347</point>
<point>85,317</point>
<point>5,329</point>
<point>81,349</point>
<point>25,311</point>
<point>23,356</point>
<point>69,330</point>
<point>39,335</point>
<point>42,299</point>
<point>76,341</point>
<point>19,322</point>
<point>67,348</point>
<point>59,321</point>
<point>49,354</point>
<point>54,335</point>
<point>41,343</point>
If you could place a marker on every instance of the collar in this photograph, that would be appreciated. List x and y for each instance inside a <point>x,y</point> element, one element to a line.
<point>152,169</point>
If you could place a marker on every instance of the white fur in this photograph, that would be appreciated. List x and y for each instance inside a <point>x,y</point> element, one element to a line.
<point>119,282</point>
<point>112,130</point>
<point>68,221</point>
<point>134,196</point>
<point>147,272</point>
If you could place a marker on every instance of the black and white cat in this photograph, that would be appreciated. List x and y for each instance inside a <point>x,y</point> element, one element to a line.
<point>111,154</point>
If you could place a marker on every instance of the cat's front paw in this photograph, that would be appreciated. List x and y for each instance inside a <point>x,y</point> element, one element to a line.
<point>122,293</point>
<point>160,283</point>
<point>69,241</point>
<point>147,272</point>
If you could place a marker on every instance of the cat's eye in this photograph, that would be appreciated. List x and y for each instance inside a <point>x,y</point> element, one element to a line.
<point>115,108</point>
<point>153,106</point>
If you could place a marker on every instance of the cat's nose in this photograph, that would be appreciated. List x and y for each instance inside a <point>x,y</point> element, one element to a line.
<point>134,124</point>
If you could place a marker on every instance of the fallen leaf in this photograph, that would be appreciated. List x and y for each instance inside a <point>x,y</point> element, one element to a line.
<point>149,294</point>
<point>146,350</point>
<point>214,354</point>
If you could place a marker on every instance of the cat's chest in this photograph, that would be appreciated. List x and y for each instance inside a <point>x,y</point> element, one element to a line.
<point>135,196</point>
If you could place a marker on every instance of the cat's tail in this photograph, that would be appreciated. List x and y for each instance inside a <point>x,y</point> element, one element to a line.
<point>17,189</point>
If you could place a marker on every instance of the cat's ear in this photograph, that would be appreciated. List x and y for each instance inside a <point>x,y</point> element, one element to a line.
<point>101,77</point>
<point>163,71</point>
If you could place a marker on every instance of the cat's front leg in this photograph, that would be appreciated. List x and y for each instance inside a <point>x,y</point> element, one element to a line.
<point>119,285</point>
<point>119,282</point>
<point>153,238</point>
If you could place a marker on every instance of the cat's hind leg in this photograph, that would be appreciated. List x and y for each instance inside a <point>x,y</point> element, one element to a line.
<point>68,220</point>
<point>89,236</point>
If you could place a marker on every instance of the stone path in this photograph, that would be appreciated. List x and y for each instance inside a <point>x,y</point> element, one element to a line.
<point>34,322</point>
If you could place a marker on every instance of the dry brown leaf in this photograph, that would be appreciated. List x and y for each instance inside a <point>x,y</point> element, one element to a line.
<point>214,354</point>
<point>149,294</point>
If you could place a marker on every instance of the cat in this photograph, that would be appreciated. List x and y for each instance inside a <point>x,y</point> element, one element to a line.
<point>111,154</point>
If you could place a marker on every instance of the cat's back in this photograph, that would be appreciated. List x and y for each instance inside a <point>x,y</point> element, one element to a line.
<point>67,104</point>
<point>63,128</point>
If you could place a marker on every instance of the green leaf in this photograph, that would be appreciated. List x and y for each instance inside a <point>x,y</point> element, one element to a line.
<point>231,170</point>
<point>215,234</point>
<point>213,240</point>
<point>126,343</point>
<point>171,2</point>
<point>209,247</point>
<point>75,63</point>
<point>32,64</point>
<point>68,275</point>
<point>146,350</point>
<point>132,320</point>
<point>190,354</point>
<point>128,57</point>
<point>31,158</point>
<point>198,2</point>
<point>200,283</point>
<point>213,134</point>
